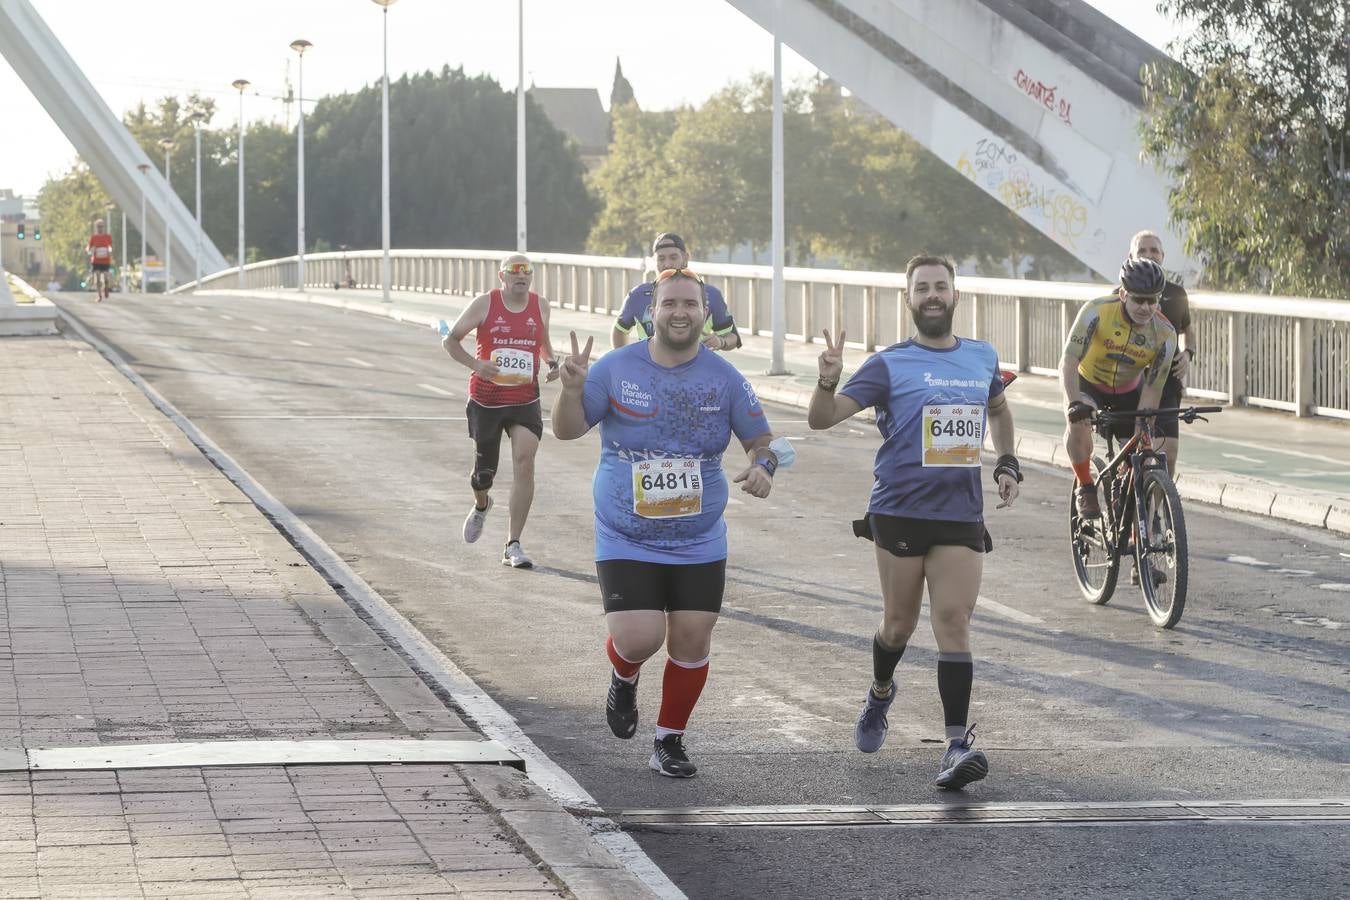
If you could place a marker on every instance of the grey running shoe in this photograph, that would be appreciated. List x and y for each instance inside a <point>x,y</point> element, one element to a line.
<point>621,706</point>
<point>515,557</point>
<point>870,732</point>
<point>669,758</point>
<point>1088,505</point>
<point>473,524</point>
<point>962,765</point>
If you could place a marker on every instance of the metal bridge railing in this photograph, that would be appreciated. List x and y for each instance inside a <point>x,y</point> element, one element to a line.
<point>1285,353</point>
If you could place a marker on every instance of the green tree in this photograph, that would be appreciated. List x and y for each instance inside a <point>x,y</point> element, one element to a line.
<point>629,183</point>
<point>69,205</point>
<point>1254,131</point>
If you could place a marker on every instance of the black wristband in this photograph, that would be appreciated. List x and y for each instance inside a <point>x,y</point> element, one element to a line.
<point>1008,465</point>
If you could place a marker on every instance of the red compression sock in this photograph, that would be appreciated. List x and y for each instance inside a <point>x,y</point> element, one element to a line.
<point>625,667</point>
<point>1084,471</point>
<point>680,690</point>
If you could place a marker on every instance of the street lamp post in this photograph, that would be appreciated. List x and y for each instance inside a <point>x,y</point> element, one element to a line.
<point>520,127</point>
<point>300,46</point>
<point>241,85</point>
<point>144,168</point>
<point>197,118</point>
<point>107,217</point>
<point>384,153</point>
<point>122,272</point>
<point>167,144</point>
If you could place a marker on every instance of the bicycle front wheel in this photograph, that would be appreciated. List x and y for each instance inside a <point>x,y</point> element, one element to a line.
<point>1096,560</point>
<point>1161,553</point>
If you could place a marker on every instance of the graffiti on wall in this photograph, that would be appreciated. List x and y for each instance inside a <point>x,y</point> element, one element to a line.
<point>1044,94</point>
<point>997,168</point>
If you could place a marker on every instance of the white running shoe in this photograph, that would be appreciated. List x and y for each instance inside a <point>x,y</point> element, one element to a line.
<point>515,557</point>
<point>473,524</point>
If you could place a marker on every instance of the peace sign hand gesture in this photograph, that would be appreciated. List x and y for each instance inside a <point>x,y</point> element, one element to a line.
<point>832,359</point>
<point>575,366</point>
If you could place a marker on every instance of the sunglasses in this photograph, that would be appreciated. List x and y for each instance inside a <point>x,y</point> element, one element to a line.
<point>518,269</point>
<point>1145,299</point>
<point>677,273</point>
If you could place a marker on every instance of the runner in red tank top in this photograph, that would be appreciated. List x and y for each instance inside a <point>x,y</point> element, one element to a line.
<point>511,324</point>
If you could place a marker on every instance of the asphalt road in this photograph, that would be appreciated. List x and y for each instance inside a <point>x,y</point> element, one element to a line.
<point>356,424</point>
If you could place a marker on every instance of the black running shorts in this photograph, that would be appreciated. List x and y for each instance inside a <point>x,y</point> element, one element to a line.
<point>1166,425</point>
<point>901,536</point>
<point>101,267</point>
<point>627,584</point>
<point>1123,430</point>
<point>486,423</point>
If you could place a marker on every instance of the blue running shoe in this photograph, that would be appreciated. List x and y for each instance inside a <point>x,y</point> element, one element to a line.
<point>962,765</point>
<point>870,732</point>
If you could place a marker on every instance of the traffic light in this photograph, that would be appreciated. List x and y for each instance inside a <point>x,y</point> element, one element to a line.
<point>19,231</point>
<point>37,232</point>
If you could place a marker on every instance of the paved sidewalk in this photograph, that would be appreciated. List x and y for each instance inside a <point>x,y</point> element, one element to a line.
<point>1249,460</point>
<point>145,601</point>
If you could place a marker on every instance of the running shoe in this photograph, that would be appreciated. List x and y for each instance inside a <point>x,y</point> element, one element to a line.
<point>1088,506</point>
<point>870,732</point>
<point>473,524</point>
<point>621,706</point>
<point>962,765</point>
<point>515,557</point>
<point>669,758</point>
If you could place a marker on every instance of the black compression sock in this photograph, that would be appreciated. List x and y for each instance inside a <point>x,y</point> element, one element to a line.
<point>884,661</point>
<point>955,674</point>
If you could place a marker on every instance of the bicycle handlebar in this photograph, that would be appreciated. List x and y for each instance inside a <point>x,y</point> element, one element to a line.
<point>1187,414</point>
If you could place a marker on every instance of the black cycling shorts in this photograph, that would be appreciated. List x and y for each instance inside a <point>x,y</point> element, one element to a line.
<point>902,536</point>
<point>628,584</point>
<point>1123,430</point>
<point>1167,425</point>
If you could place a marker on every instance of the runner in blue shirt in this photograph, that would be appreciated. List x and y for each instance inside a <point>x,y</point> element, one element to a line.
<point>934,395</point>
<point>635,318</point>
<point>667,409</point>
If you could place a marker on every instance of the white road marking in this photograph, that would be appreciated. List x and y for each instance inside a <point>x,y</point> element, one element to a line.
<point>436,390</point>
<point>349,418</point>
<point>1008,612</point>
<point>1248,459</point>
<point>1339,587</point>
<point>1247,561</point>
<point>301,343</point>
<point>359,362</point>
<point>257,328</point>
<point>227,318</point>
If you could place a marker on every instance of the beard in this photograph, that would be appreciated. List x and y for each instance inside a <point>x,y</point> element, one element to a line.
<point>664,335</point>
<point>933,327</point>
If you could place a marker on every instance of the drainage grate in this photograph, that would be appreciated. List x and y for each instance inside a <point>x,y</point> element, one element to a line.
<point>1322,810</point>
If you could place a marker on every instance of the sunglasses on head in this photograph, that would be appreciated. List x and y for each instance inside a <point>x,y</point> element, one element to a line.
<point>518,269</point>
<point>677,273</point>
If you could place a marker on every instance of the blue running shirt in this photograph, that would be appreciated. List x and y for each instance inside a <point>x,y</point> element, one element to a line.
<point>637,312</point>
<point>931,412</point>
<point>659,489</point>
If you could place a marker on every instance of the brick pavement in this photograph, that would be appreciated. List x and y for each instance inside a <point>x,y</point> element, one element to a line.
<point>143,599</point>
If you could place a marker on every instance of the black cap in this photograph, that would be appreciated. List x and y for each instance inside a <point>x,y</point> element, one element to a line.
<point>669,239</point>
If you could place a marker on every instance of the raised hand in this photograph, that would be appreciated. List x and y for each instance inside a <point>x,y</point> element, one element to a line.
<point>832,358</point>
<point>575,366</point>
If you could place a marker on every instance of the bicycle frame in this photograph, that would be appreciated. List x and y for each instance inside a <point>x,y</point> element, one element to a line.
<point>1126,494</point>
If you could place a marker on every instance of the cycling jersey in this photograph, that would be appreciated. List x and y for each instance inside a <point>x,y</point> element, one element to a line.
<point>659,491</point>
<point>1117,355</point>
<point>637,311</point>
<point>931,411</point>
<point>513,341</point>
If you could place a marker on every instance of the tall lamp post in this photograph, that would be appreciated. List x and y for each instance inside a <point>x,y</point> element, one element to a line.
<point>520,127</point>
<point>384,153</point>
<point>107,217</point>
<point>241,85</point>
<point>167,144</point>
<point>144,168</point>
<point>122,272</point>
<point>197,118</point>
<point>300,46</point>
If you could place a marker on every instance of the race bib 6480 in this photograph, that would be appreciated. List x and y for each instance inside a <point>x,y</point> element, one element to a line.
<point>952,434</point>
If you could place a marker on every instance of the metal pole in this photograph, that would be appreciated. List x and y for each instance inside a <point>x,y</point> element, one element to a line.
<point>199,202</point>
<point>776,366</point>
<point>300,184</point>
<point>240,85</point>
<point>123,270</point>
<point>520,128</point>
<point>168,210</point>
<point>143,230</point>
<point>384,165</point>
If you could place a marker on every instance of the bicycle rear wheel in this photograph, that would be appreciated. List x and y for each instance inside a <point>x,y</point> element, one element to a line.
<point>1161,554</point>
<point>1096,559</point>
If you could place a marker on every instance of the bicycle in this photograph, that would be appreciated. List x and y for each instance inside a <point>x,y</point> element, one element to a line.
<point>1137,498</point>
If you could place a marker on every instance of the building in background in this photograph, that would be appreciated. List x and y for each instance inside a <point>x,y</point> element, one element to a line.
<point>22,248</point>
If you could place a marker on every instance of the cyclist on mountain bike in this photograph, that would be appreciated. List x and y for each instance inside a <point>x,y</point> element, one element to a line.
<point>100,259</point>
<point>1117,357</point>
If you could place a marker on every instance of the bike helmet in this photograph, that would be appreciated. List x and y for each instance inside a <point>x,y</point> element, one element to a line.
<point>1142,277</point>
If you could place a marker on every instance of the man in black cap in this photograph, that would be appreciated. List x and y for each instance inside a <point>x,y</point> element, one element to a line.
<point>635,319</point>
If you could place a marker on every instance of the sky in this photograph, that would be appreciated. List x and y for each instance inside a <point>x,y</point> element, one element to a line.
<point>144,49</point>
